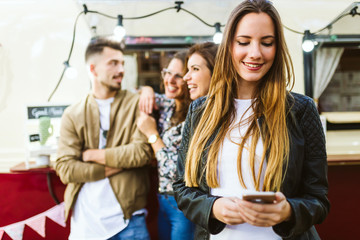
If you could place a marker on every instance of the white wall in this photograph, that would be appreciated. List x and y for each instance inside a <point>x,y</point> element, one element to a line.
<point>35,38</point>
<point>35,41</point>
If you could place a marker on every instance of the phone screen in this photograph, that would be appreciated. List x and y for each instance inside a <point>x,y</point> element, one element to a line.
<point>260,197</point>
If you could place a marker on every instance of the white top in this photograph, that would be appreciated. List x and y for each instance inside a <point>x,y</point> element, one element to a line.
<point>97,214</point>
<point>228,178</point>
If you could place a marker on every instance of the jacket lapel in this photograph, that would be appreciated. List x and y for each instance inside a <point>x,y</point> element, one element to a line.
<point>92,122</point>
<point>115,107</point>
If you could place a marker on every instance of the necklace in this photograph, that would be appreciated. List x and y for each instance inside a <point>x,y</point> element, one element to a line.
<point>104,132</point>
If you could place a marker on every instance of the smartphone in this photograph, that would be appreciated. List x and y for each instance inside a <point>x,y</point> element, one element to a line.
<point>260,197</point>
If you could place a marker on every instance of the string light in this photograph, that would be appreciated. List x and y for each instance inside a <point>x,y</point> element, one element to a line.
<point>66,63</point>
<point>308,44</point>
<point>70,72</point>
<point>120,32</point>
<point>217,38</point>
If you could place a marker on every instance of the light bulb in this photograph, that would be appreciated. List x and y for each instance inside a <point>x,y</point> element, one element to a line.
<point>119,32</point>
<point>308,45</point>
<point>71,72</point>
<point>218,34</point>
<point>217,38</point>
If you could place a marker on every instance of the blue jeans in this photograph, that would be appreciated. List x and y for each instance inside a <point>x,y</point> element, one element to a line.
<point>172,223</point>
<point>135,230</point>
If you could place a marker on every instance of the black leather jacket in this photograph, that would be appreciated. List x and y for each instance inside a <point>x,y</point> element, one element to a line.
<point>305,185</point>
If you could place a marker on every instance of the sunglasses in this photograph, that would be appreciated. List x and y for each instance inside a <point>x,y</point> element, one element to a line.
<point>166,73</point>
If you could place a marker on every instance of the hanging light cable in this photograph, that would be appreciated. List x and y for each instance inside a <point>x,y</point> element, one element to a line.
<point>66,63</point>
<point>120,32</point>
<point>308,43</point>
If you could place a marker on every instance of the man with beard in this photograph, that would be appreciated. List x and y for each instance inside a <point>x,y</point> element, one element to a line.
<point>102,156</point>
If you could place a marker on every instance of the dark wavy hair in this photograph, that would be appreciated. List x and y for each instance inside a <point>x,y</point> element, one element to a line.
<point>97,45</point>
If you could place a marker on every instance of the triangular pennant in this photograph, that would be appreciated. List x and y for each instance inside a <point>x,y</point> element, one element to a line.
<point>55,231</point>
<point>37,224</point>
<point>57,214</point>
<point>15,231</point>
<point>30,234</point>
<point>4,236</point>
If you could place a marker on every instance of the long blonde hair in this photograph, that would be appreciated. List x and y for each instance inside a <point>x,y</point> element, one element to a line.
<point>269,105</point>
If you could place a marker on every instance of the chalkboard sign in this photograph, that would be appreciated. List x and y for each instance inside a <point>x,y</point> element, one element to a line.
<point>35,112</point>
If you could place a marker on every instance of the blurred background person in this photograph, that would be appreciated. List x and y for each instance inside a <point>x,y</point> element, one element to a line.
<point>200,63</point>
<point>164,135</point>
<point>102,154</point>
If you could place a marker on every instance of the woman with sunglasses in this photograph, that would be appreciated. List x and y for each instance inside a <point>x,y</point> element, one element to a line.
<point>164,135</point>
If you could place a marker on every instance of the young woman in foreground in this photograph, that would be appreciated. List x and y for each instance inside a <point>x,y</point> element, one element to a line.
<point>251,134</point>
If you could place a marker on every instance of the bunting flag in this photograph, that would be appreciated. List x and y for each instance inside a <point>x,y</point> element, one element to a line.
<point>57,214</point>
<point>37,223</point>
<point>4,236</point>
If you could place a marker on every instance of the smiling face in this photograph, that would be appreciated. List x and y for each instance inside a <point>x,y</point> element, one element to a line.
<point>198,76</point>
<point>108,71</point>
<point>173,81</point>
<point>253,47</point>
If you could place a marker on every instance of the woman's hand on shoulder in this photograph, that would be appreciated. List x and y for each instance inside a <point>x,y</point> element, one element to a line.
<point>147,100</point>
<point>266,215</point>
<point>226,210</point>
<point>146,124</point>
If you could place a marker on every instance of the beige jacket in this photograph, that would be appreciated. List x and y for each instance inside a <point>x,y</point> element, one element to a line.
<point>126,148</point>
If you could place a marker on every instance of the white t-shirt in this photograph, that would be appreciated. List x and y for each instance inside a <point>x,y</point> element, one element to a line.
<point>228,177</point>
<point>97,214</point>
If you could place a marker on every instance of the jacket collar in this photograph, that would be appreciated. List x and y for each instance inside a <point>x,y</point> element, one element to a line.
<point>92,114</point>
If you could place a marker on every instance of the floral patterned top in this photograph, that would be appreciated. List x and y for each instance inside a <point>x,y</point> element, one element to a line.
<point>171,136</point>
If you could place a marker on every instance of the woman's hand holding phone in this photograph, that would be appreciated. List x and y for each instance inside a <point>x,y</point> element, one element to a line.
<point>233,210</point>
<point>226,210</point>
<point>266,215</point>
